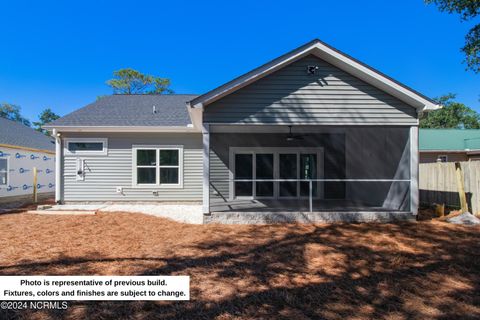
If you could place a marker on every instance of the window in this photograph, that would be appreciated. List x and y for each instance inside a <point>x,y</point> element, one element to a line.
<point>442,158</point>
<point>86,146</point>
<point>3,171</point>
<point>158,166</point>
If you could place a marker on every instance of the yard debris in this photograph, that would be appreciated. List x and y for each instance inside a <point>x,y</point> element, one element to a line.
<point>465,218</point>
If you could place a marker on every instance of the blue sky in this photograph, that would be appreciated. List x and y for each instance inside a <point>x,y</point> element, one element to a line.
<point>59,54</point>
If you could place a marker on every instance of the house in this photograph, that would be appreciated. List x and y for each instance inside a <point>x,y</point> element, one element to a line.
<point>313,131</point>
<point>449,145</point>
<point>21,150</point>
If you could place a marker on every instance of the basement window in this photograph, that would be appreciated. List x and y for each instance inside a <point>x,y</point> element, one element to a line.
<point>158,166</point>
<point>82,146</point>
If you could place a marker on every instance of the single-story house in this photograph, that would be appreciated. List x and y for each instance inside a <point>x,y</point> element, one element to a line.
<point>313,130</point>
<point>21,150</point>
<point>449,145</point>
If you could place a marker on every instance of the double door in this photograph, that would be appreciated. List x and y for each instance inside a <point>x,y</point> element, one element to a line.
<point>288,165</point>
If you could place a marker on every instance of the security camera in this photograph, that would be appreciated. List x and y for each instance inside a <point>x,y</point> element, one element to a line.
<point>312,69</point>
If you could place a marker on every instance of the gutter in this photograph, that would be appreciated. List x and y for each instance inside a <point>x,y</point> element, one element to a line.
<point>188,129</point>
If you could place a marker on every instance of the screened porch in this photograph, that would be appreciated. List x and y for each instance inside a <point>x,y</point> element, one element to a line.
<point>310,169</point>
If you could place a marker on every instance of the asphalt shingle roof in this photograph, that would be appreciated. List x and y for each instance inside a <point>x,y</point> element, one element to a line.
<point>449,139</point>
<point>131,110</point>
<point>17,134</point>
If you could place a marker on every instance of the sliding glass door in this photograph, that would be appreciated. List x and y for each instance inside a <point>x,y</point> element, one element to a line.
<point>243,171</point>
<point>287,163</point>
<point>261,167</point>
<point>264,170</point>
<point>308,170</point>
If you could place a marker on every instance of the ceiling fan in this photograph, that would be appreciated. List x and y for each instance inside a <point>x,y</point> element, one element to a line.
<point>292,137</point>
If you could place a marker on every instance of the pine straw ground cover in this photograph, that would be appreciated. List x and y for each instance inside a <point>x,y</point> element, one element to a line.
<point>424,270</point>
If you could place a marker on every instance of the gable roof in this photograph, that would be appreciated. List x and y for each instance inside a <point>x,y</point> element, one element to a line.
<point>130,111</point>
<point>332,56</point>
<point>16,134</point>
<point>449,139</point>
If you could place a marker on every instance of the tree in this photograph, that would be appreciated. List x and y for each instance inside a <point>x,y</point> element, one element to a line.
<point>45,117</point>
<point>454,115</point>
<point>12,112</point>
<point>130,81</point>
<point>468,9</point>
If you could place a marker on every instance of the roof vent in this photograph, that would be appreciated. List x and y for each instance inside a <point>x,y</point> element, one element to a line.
<point>154,109</point>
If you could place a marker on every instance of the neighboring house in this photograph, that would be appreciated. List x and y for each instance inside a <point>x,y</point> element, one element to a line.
<point>313,130</point>
<point>449,145</point>
<point>21,150</point>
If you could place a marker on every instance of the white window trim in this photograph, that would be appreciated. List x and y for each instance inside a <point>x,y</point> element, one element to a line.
<point>8,170</point>
<point>104,152</point>
<point>157,184</point>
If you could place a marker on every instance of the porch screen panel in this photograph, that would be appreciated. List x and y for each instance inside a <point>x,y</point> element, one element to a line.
<point>264,170</point>
<point>243,170</point>
<point>288,170</point>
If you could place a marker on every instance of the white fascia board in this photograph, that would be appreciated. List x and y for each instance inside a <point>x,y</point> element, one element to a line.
<point>331,56</point>
<point>373,77</point>
<point>247,79</point>
<point>191,129</point>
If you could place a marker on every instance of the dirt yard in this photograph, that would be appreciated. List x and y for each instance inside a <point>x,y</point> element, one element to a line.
<point>424,270</point>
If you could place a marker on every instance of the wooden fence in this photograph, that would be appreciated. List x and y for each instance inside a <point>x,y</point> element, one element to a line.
<point>438,184</point>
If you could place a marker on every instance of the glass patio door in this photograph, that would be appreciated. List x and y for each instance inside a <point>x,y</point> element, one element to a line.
<point>243,170</point>
<point>308,170</point>
<point>264,170</point>
<point>258,167</point>
<point>287,163</point>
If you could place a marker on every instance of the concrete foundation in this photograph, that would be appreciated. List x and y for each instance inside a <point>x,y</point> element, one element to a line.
<point>305,217</point>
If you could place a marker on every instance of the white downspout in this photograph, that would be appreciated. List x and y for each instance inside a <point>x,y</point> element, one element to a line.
<point>58,166</point>
<point>206,168</point>
<point>414,192</point>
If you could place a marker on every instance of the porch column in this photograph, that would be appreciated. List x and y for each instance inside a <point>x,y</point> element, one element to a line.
<point>58,166</point>
<point>206,167</point>
<point>414,193</point>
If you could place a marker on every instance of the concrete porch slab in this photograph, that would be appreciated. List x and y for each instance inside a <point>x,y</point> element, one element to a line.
<point>187,213</point>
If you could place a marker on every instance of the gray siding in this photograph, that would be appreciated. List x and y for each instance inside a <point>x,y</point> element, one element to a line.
<point>105,173</point>
<point>290,95</point>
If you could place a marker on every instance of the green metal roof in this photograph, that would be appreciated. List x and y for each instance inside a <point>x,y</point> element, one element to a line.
<point>449,139</point>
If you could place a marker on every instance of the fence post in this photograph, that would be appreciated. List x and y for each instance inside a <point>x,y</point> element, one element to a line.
<point>34,184</point>
<point>461,187</point>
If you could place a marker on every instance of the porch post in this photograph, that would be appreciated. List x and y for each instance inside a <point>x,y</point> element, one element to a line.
<point>58,166</point>
<point>414,193</point>
<point>206,167</point>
